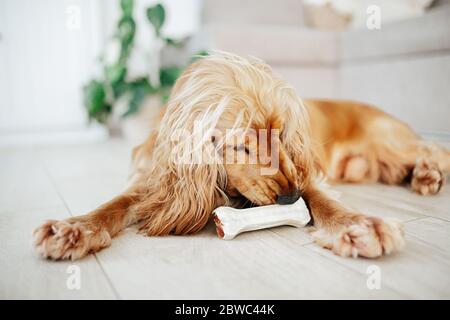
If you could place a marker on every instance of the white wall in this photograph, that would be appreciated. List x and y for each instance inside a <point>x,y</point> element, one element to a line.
<point>50,48</point>
<point>47,51</point>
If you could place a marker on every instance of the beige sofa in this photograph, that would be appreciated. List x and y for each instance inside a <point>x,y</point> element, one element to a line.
<point>404,67</point>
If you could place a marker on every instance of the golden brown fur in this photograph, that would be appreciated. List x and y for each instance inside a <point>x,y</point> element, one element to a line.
<point>171,192</point>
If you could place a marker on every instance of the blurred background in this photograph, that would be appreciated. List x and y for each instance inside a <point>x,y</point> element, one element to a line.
<point>81,71</point>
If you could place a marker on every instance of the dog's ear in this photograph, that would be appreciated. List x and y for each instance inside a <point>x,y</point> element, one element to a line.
<point>297,140</point>
<point>182,200</point>
<point>306,162</point>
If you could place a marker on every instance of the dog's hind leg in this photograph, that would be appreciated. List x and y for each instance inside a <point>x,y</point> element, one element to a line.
<point>403,157</point>
<point>421,164</point>
<point>431,165</point>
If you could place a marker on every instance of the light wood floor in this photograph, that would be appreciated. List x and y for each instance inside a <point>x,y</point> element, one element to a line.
<point>53,183</point>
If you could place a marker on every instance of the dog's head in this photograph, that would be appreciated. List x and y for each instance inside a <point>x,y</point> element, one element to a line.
<point>236,127</point>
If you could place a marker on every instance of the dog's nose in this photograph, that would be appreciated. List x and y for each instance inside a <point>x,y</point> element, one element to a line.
<point>288,198</point>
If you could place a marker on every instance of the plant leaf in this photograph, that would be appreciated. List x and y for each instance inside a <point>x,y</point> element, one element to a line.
<point>94,101</point>
<point>126,31</point>
<point>168,75</point>
<point>156,15</point>
<point>115,73</point>
<point>136,100</point>
<point>199,55</point>
<point>174,43</point>
<point>139,88</point>
<point>127,7</point>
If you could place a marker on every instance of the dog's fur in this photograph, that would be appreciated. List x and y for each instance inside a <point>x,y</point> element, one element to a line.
<point>346,141</point>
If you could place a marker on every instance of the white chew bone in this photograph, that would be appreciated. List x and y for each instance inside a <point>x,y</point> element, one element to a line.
<point>230,221</point>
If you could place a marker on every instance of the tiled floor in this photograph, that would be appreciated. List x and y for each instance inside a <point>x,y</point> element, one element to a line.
<point>42,183</point>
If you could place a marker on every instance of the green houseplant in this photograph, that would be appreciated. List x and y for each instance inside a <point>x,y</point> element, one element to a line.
<point>101,94</point>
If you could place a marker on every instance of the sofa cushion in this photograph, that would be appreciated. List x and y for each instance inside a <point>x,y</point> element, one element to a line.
<point>428,33</point>
<point>276,44</point>
<point>261,12</point>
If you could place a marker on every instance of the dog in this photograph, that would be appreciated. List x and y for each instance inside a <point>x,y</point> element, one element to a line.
<point>177,181</point>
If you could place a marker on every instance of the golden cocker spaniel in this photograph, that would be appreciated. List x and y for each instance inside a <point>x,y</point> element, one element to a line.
<point>233,133</point>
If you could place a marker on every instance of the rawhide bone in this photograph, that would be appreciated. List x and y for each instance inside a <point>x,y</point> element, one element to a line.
<point>230,221</point>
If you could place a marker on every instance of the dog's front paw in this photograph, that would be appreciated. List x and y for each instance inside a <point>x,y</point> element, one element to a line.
<point>59,240</point>
<point>426,177</point>
<point>371,237</point>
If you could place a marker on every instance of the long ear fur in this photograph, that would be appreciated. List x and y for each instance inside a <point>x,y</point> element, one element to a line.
<point>181,201</point>
<point>186,180</point>
<point>297,140</point>
<point>296,133</point>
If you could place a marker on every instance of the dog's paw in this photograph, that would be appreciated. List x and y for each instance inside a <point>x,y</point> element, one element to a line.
<point>371,237</point>
<point>60,240</point>
<point>426,178</point>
